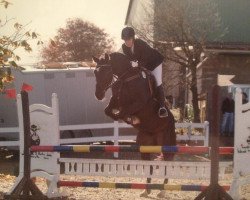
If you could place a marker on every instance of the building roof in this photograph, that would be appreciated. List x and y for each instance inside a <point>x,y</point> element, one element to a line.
<point>128,11</point>
<point>56,67</point>
<point>225,80</point>
<point>235,17</point>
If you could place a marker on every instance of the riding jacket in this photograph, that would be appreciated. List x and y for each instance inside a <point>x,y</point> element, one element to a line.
<point>144,54</point>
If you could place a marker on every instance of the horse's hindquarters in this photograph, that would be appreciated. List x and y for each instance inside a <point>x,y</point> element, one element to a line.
<point>150,121</point>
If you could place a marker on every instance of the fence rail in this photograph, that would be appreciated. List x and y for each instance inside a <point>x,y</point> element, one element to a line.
<point>8,130</point>
<point>116,137</point>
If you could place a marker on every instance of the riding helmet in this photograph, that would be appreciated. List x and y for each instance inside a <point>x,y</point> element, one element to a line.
<point>127,33</point>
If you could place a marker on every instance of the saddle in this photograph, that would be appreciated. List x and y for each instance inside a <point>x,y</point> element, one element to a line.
<point>151,80</point>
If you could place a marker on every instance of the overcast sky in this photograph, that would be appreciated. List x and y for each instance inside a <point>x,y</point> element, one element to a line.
<point>46,16</point>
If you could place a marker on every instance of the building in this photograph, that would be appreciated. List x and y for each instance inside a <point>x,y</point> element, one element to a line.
<point>226,49</point>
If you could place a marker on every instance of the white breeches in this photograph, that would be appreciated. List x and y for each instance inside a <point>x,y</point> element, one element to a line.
<point>157,72</point>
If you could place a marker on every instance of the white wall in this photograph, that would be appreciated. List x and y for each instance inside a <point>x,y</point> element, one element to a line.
<point>75,90</point>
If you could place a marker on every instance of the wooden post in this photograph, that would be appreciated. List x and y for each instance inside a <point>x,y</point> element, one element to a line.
<point>26,188</point>
<point>214,191</point>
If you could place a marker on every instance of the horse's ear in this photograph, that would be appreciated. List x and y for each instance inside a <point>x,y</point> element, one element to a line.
<point>96,60</point>
<point>106,57</point>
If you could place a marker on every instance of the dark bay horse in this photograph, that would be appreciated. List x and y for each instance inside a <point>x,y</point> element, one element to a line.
<point>133,101</point>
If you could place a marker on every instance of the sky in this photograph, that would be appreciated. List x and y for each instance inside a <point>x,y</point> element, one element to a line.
<point>46,16</point>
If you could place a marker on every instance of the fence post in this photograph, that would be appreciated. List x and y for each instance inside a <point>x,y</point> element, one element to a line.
<point>206,128</point>
<point>189,131</point>
<point>116,136</point>
<point>26,188</point>
<point>214,191</point>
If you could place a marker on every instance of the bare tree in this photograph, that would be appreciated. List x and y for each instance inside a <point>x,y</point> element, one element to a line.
<point>181,30</point>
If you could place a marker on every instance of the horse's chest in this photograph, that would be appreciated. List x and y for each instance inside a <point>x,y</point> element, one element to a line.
<point>127,97</point>
<point>124,94</point>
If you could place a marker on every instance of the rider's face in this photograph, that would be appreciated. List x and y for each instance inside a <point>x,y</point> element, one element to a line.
<point>129,42</point>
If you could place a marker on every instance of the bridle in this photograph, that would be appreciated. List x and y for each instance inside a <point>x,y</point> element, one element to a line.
<point>116,78</point>
<point>113,76</point>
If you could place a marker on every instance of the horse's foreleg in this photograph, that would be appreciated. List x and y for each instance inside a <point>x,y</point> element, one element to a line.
<point>145,139</point>
<point>109,110</point>
<point>166,157</point>
<point>162,193</point>
<point>146,156</point>
<point>167,137</point>
<point>146,192</point>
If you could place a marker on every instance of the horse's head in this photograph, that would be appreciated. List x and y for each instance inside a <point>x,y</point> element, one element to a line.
<point>104,76</point>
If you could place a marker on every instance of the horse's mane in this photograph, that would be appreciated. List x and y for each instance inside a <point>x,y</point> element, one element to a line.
<point>119,62</point>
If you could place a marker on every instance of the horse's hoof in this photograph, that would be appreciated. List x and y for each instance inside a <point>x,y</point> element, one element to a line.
<point>161,194</point>
<point>160,157</point>
<point>145,193</point>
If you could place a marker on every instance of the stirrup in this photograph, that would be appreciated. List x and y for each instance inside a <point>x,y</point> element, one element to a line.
<point>162,112</point>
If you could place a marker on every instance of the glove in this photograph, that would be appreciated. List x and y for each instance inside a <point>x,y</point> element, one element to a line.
<point>134,63</point>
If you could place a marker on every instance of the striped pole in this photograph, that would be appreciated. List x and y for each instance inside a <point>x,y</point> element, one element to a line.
<point>151,186</point>
<point>131,148</point>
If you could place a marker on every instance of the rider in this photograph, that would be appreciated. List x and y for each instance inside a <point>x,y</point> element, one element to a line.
<point>140,53</point>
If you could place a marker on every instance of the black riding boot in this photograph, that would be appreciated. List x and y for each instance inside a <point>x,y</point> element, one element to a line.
<point>161,98</point>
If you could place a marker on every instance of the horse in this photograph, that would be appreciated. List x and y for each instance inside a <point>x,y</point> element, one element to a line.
<point>134,101</point>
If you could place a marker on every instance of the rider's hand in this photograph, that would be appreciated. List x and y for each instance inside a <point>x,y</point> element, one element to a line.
<point>134,63</point>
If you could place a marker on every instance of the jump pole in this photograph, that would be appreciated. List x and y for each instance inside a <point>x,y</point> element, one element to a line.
<point>214,191</point>
<point>131,148</point>
<point>26,188</point>
<point>151,186</point>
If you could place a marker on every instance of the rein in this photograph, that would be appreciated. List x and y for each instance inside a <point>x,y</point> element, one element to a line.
<point>119,79</point>
<point>138,76</point>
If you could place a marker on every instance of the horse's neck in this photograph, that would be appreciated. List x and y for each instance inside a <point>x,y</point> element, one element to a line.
<point>129,73</point>
<point>135,73</point>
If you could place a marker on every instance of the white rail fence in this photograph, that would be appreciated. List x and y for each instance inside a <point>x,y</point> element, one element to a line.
<point>13,133</point>
<point>116,136</point>
<point>9,131</point>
